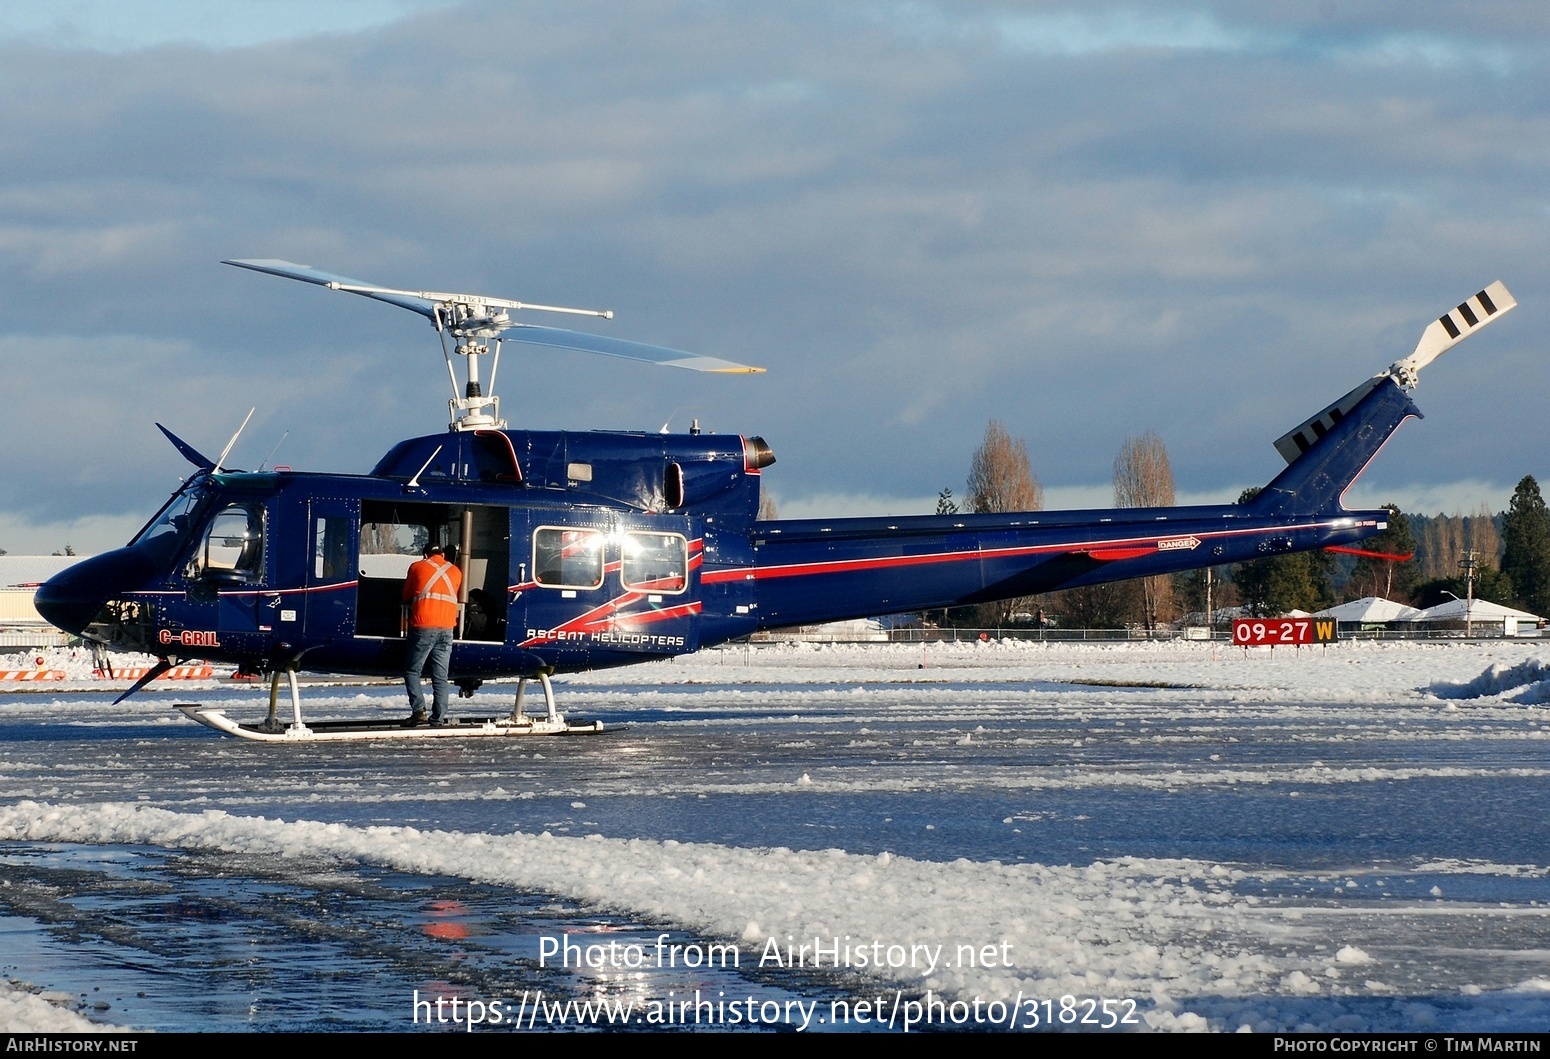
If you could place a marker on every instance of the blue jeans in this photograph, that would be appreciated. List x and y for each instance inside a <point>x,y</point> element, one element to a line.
<point>434,645</point>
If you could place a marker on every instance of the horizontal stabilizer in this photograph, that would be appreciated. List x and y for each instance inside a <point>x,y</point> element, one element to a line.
<point>1110,555</point>
<point>1363,553</point>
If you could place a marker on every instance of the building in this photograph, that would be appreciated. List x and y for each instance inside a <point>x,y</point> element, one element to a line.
<point>20,576</point>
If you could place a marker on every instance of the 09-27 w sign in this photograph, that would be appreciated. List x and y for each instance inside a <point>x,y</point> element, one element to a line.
<point>1282,632</point>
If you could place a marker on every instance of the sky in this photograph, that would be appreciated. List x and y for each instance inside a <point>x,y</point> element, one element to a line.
<point>1087,221</point>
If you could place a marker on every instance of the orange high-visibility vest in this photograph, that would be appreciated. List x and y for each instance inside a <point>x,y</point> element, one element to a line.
<point>431,592</point>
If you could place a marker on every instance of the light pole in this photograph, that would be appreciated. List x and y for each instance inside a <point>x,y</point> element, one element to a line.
<point>1469,564</point>
<point>1469,629</point>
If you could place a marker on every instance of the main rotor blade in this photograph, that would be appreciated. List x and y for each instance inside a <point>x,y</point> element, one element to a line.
<point>529,333</point>
<point>618,347</point>
<point>191,454</point>
<point>308,274</point>
<point>151,674</point>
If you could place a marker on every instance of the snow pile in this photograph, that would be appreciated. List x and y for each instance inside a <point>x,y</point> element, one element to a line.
<point>22,1011</point>
<point>1115,929</point>
<point>75,661</point>
<point>1532,674</point>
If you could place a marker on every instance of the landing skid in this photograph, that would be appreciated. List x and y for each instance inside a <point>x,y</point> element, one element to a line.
<point>272,730</point>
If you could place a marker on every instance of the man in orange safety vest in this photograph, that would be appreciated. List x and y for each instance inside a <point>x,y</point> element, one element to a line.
<point>431,590</point>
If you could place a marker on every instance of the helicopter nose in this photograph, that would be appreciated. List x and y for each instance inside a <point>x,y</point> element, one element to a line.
<point>72,598</point>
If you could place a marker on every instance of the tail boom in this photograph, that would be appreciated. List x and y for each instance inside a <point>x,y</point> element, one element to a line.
<point>824,570</point>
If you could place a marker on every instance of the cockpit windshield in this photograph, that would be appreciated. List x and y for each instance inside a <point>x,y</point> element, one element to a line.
<point>164,536</point>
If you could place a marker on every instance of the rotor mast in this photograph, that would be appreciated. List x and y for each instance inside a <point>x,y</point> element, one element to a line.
<point>472,322</point>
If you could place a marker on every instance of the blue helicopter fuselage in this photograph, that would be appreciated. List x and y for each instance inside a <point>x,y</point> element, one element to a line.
<point>592,549</point>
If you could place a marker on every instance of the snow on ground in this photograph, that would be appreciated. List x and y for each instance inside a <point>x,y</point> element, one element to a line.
<point>1533,676</point>
<point>75,662</point>
<point>23,1011</point>
<point>1345,838</point>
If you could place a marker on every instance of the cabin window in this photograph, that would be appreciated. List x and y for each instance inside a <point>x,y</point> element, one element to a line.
<point>331,549</point>
<point>388,549</point>
<point>655,562</point>
<point>567,558</point>
<point>233,547</point>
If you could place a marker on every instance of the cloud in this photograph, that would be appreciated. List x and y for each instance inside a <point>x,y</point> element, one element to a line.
<point>117,25</point>
<point>1207,220</point>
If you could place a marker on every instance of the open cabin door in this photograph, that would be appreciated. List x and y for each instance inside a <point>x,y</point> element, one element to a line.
<point>393,535</point>
<point>592,586</point>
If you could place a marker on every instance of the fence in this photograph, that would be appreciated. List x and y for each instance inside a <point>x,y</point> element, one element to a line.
<point>29,638</point>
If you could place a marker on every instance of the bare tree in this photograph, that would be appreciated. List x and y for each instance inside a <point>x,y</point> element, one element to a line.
<point>1143,477</point>
<point>1483,537</point>
<point>1443,546</point>
<point>1000,478</point>
<point>767,508</point>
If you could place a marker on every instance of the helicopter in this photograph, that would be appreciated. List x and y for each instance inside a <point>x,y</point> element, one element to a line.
<point>590,549</point>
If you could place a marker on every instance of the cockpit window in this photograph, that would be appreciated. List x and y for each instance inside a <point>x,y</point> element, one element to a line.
<point>233,547</point>
<point>165,535</point>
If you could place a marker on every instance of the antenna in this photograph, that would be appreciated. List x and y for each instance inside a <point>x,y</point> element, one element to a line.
<point>472,321</point>
<point>221,459</point>
<point>274,450</point>
<point>414,483</point>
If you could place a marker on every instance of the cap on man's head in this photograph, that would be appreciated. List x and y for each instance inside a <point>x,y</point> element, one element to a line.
<point>432,549</point>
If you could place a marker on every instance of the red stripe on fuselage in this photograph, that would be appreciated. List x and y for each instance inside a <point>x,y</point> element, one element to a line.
<point>846,566</point>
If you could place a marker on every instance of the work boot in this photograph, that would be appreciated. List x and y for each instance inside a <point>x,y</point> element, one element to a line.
<point>416,719</point>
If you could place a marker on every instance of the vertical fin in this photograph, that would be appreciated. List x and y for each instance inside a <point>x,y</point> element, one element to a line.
<point>1313,484</point>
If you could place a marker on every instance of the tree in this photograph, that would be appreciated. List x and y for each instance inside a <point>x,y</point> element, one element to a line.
<point>1382,577</point>
<point>767,509</point>
<point>1000,478</point>
<point>1526,535</point>
<point>1143,477</point>
<point>1109,605</point>
<point>1483,538</point>
<point>1280,583</point>
<point>1283,583</point>
<point>945,504</point>
<point>1490,584</point>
